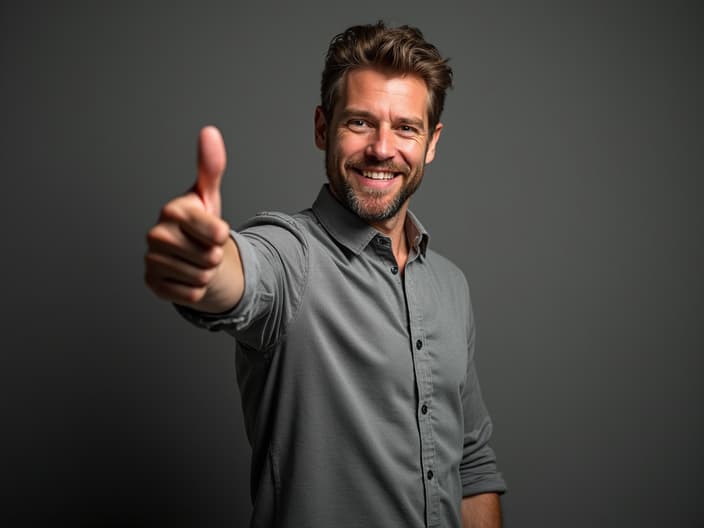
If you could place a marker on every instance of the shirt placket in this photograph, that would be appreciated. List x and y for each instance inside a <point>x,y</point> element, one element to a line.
<point>424,385</point>
<point>422,371</point>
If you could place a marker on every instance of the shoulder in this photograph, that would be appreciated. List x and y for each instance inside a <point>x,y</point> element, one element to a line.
<point>281,231</point>
<point>274,224</point>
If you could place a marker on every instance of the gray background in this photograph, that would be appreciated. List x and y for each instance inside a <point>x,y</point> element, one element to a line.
<point>568,187</point>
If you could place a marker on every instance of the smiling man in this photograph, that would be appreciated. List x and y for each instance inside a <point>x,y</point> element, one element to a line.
<point>354,340</point>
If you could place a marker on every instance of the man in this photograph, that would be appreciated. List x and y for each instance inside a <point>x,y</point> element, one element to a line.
<point>355,341</point>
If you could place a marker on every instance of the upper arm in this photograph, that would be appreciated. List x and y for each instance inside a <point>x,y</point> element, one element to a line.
<point>275,256</point>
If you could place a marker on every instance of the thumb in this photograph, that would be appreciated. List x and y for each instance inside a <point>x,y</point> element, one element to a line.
<point>211,165</point>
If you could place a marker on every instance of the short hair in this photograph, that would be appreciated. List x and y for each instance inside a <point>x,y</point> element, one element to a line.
<point>401,50</point>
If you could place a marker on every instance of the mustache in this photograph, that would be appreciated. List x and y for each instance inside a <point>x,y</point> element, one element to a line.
<point>384,166</point>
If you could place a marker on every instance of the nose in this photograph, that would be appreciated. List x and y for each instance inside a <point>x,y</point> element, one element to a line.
<point>381,144</point>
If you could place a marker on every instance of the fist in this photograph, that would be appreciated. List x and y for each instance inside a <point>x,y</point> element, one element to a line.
<point>187,246</point>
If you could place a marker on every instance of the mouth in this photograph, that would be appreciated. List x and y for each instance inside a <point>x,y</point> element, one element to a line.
<point>376,178</point>
<point>378,175</point>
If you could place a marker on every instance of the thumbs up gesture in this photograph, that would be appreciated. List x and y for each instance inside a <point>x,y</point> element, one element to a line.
<point>191,259</point>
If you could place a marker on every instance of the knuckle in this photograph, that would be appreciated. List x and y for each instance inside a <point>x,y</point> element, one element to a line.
<point>172,210</point>
<point>151,268</point>
<point>156,234</point>
<point>214,256</point>
<point>202,278</point>
<point>151,262</point>
<point>157,288</point>
<point>152,234</point>
<point>194,295</point>
<point>221,231</point>
<point>167,211</point>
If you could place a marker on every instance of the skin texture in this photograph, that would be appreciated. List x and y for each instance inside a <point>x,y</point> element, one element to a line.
<point>481,511</point>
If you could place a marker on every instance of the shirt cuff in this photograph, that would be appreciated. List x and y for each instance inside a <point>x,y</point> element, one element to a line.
<point>240,315</point>
<point>490,485</point>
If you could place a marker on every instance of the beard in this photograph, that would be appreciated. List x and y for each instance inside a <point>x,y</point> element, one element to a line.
<point>371,205</point>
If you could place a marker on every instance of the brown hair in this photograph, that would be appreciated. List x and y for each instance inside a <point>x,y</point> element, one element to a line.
<point>400,50</point>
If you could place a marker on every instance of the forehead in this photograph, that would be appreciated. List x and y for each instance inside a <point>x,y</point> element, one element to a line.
<point>379,91</point>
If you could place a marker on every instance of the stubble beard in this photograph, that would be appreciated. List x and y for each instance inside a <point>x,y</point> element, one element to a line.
<point>369,207</point>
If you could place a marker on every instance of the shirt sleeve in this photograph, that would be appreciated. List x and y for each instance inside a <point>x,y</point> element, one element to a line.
<point>478,469</point>
<point>274,253</point>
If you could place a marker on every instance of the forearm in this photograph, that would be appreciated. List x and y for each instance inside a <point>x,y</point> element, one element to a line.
<point>481,511</point>
<point>227,286</point>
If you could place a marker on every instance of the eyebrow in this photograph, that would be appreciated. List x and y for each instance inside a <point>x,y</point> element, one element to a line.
<point>355,112</point>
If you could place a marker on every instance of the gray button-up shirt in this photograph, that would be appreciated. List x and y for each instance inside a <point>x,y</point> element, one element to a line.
<point>358,382</point>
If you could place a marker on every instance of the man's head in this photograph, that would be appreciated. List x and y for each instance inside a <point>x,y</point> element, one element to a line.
<point>402,51</point>
<point>383,91</point>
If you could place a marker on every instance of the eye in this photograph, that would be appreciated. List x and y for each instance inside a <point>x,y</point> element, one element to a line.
<point>357,124</point>
<point>408,130</point>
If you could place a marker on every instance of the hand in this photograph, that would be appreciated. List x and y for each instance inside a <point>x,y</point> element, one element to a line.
<point>189,249</point>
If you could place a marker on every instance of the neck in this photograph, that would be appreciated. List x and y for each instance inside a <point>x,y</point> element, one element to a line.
<point>395,229</point>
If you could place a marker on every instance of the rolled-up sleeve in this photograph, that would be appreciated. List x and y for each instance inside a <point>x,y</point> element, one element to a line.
<point>274,254</point>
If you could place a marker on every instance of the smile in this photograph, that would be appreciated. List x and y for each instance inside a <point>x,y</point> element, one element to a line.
<point>375,175</point>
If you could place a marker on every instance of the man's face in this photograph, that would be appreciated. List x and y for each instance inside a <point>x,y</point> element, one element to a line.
<point>377,143</point>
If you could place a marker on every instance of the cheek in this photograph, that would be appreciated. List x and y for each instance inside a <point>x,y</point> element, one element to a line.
<point>414,155</point>
<point>348,146</point>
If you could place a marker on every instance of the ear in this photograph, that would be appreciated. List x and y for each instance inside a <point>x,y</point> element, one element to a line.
<point>321,128</point>
<point>430,152</point>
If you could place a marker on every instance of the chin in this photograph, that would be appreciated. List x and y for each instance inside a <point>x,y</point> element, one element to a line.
<point>375,211</point>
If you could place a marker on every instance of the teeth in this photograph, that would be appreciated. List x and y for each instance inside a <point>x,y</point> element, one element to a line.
<point>378,175</point>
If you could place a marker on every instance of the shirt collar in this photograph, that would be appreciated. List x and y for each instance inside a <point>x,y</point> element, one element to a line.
<point>353,232</point>
<point>416,234</point>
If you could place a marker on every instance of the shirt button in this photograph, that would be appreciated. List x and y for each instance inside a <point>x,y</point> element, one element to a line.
<point>430,474</point>
<point>419,344</point>
<point>394,269</point>
<point>424,409</point>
